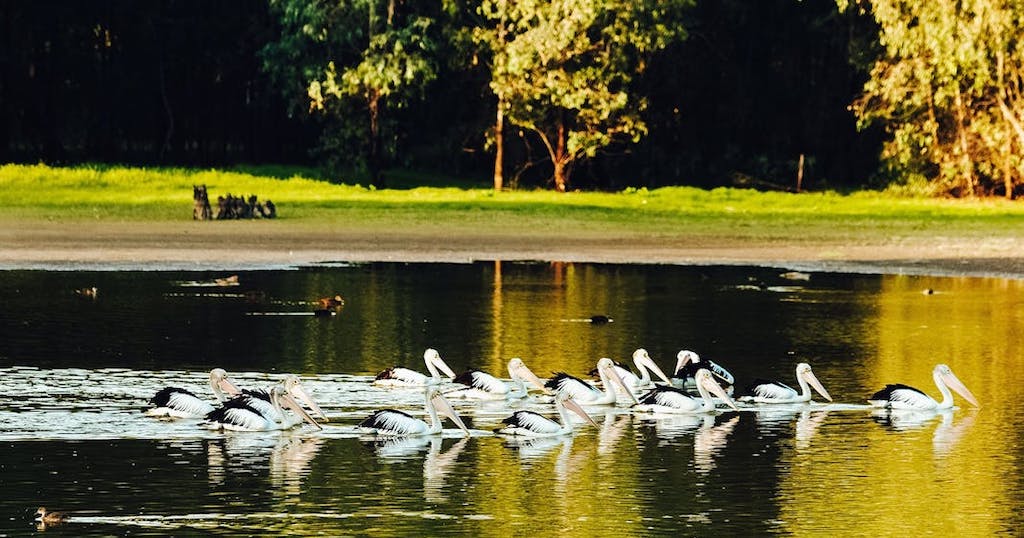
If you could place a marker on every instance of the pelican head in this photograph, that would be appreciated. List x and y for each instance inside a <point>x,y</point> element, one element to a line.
<point>642,359</point>
<point>280,398</point>
<point>220,384</point>
<point>434,363</point>
<point>606,368</point>
<point>442,407</point>
<point>684,357</point>
<point>944,374</point>
<point>565,400</point>
<point>517,369</point>
<point>705,379</point>
<point>803,371</point>
<point>293,386</point>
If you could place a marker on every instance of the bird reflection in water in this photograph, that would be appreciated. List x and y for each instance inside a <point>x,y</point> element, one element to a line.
<point>437,465</point>
<point>947,433</point>
<point>289,462</point>
<point>612,430</point>
<point>807,425</point>
<point>709,440</point>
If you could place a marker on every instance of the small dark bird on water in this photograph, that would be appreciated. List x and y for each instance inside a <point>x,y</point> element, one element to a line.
<point>46,517</point>
<point>331,302</point>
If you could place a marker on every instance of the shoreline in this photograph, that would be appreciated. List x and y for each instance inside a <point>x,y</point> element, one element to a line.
<point>105,246</point>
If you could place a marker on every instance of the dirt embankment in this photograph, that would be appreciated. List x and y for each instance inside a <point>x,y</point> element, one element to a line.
<point>189,245</point>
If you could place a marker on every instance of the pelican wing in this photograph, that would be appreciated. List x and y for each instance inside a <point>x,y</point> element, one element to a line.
<point>482,380</point>
<point>899,393</point>
<point>179,402</point>
<point>401,375</point>
<point>770,390</point>
<point>530,421</point>
<point>667,397</point>
<point>237,413</point>
<point>574,386</point>
<point>394,422</point>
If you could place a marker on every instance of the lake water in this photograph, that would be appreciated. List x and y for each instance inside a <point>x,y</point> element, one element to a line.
<point>76,371</point>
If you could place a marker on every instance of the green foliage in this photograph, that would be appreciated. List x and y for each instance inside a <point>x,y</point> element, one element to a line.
<point>563,69</point>
<point>949,87</point>
<point>354,58</point>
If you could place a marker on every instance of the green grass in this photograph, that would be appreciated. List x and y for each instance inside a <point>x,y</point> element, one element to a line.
<point>155,194</point>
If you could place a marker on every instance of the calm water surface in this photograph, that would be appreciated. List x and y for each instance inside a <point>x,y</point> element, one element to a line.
<point>75,373</point>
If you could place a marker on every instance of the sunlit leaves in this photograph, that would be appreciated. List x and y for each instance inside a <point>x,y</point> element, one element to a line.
<point>948,87</point>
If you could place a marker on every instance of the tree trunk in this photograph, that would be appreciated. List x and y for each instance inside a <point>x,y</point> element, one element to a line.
<point>966,164</point>
<point>373,163</point>
<point>561,160</point>
<point>499,147</point>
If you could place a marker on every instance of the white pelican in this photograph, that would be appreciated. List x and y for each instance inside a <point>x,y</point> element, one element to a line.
<point>645,365</point>
<point>764,391</point>
<point>404,377</point>
<point>395,422</point>
<point>664,399</point>
<point>181,403</point>
<point>687,364</point>
<point>586,394</point>
<point>484,386</point>
<point>293,387</point>
<point>903,397</point>
<point>530,424</point>
<point>240,415</point>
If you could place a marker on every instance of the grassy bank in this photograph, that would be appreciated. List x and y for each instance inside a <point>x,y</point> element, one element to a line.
<point>163,195</point>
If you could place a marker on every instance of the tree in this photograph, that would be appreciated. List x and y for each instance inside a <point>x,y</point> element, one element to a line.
<point>356,54</point>
<point>562,69</point>
<point>949,87</point>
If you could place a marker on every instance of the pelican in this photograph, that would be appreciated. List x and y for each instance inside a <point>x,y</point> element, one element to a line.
<point>645,365</point>
<point>530,424</point>
<point>262,401</point>
<point>664,399</point>
<point>764,391</point>
<point>903,397</point>
<point>687,364</point>
<point>395,422</point>
<point>404,377</point>
<point>484,386</point>
<point>240,414</point>
<point>586,394</point>
<point>181,403</point>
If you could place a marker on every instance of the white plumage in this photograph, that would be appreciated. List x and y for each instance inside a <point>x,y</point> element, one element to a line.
<point>899,396</point>
<point>664,399</point>
<point>404,377</point>
<point>587,394</point>
<point>531,424</point>
<point>765,391</point>
<point>177,402</point>
<point>483,386</point>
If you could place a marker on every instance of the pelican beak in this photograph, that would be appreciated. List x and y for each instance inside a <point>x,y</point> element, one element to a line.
<point>812,380</point>
<point>229,387</point>
<point>290,402</point>
<point>445,408</point>
<point>716,389</point>
<point>571,405</point>
<point>614,376</point>
<point>439,362</point>
<point>650,364</point>
<point>524,373</point>
<point>305,398</point>
<point>954,383</point>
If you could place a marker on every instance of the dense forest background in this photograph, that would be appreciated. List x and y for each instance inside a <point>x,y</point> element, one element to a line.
<point>750,91</point>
